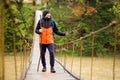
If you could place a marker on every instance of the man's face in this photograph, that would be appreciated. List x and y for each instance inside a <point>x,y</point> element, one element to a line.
<point>48,15</point>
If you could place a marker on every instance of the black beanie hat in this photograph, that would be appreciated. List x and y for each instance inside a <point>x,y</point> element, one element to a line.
<point>45,12</point>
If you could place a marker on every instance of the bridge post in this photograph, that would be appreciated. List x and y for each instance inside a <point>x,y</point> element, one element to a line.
<point>1,40</point>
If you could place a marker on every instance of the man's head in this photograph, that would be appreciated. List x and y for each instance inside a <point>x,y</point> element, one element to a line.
<point>46,14</point>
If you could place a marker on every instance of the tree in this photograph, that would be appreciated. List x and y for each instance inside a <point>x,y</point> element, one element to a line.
<point>90,2</point>
<point>116,9</point>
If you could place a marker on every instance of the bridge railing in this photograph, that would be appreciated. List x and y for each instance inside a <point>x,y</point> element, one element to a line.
<point>1,42</point>
<point>15,64</point>
<point>11,67</point>
<point>88,68</point>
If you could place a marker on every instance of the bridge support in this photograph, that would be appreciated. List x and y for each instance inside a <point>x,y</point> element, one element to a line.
<point>1,40</point>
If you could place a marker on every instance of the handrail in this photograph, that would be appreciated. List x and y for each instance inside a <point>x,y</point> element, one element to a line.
<point>2,18</point>
<point>91,34</point>
<point>24,47</point>
<point>112,24</point>
<point>115,50</point>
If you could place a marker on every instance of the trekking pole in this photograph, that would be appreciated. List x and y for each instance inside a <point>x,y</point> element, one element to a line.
<point>38,63</point>
<point>40,52</point>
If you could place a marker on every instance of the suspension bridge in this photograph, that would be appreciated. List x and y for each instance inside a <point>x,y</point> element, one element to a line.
<point>25,66</point>
<point>32,73</point>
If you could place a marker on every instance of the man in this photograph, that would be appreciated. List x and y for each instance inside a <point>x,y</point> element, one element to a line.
<point>46,28</point>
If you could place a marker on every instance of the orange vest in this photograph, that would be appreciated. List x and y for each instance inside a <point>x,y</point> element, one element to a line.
<point>46,37</point>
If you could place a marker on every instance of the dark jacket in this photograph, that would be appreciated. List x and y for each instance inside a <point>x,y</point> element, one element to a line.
<point>46,23</point>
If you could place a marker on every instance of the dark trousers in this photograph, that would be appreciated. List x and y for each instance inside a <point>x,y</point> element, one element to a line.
<point>51,53</point>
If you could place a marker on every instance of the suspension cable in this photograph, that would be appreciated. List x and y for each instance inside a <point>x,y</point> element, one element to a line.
<point>25,54</point>
<point>92,54</point>
<point>21,54</point>
<point>115,50</point>
<point>2,18</point>
<point>65,57</point>
<point>81,47</point>
<point>59,47</point>
<point>73,46</point>
<point>14,50</point>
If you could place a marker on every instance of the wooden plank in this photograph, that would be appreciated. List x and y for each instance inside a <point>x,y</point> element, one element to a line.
<point>59,75</point>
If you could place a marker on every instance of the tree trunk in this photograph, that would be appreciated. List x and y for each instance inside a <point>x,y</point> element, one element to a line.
<point>58,1</point>
<point>90,2</point>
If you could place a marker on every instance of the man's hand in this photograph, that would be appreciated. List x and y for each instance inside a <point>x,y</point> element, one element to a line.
<point>66,33</point>
<point>40,30</point>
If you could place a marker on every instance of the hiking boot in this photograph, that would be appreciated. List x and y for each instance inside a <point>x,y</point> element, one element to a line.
<point>44,69</point>
<point>53,70</point>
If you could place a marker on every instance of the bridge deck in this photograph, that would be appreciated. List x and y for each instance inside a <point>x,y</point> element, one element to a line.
<point>32,73</point>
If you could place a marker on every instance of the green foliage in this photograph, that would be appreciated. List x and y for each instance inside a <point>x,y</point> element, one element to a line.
<point>66,21</point>
<point>104,41</point>
<point>25,17</point>
<point>116,9</point>
<point>8,34</point>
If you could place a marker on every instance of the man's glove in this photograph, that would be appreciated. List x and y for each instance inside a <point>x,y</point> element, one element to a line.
<point>66,34</point>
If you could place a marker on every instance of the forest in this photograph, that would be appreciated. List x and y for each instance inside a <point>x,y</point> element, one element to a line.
<point>77,17</point>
